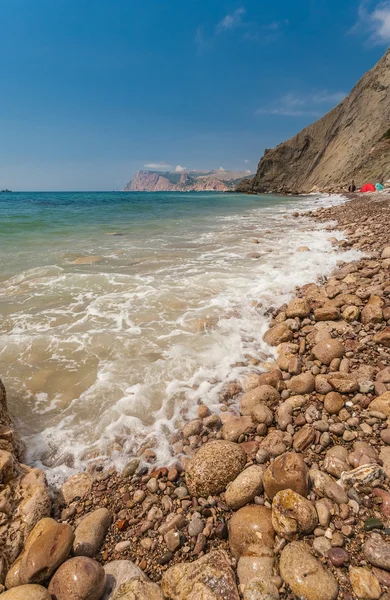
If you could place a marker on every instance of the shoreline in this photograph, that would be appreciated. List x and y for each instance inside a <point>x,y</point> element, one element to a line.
<point>331,505</point>
<point>220,275</point>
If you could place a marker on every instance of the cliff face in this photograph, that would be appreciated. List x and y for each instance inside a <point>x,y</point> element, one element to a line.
<point>191,181</point>
<point>347,143</point>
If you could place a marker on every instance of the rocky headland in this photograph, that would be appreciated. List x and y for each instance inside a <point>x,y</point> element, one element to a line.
<point>187,181</point>
<point>285,493</point>
<point>352,141</point>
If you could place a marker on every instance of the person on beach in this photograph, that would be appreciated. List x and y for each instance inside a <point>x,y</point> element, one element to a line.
<point>352,187</point>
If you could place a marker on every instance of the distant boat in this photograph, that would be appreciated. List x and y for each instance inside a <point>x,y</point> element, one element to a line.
<point>5,191</point>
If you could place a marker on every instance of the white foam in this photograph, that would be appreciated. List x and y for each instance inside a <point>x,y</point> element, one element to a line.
<point>111,359</point>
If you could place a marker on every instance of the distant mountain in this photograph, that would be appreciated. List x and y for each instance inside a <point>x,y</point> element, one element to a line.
<point>188,181</point>
<point>352,141</point>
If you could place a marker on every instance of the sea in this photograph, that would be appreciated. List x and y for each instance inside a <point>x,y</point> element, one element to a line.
<point>121,312</point>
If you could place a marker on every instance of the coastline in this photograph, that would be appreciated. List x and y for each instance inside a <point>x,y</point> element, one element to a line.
<point>351,307</point>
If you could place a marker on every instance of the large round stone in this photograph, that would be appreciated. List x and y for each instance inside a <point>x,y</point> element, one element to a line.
<point>215,465</point>
<point>119,572</point>
<point>46,548</point>
<point>305,574</point>
<point>328,349</point>
<point>27,592</point>
<point>79,578</point>
<point>287,471</point>
<point>292,514</point>
<point>250,525</point>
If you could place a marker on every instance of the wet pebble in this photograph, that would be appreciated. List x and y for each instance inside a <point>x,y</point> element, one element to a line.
<point>338,557</point>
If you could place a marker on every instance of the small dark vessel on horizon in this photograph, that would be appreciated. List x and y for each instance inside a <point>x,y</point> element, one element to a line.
<point>5,191</point>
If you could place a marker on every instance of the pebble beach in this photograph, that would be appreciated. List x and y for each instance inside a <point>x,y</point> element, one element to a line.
<point>281,494</point>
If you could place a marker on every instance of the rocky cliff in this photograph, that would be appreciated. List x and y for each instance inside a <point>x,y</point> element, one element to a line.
<point>352,141</point>
<point>189,181</point>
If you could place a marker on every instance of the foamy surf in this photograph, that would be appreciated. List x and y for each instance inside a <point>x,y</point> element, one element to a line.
<point>103,359</point>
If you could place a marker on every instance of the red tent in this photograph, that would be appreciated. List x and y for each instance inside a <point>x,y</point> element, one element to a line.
<point>368,187</point>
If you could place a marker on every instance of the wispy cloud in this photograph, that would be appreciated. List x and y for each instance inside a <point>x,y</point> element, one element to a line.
<point>236,20</point>
<point>374,19</point>
<point>296,105</point>
<point>381,22</point>
<point>276,25</point>
<point>180,169</point>
<point>158,166</point>
<point>231,21</point>
<point>200,40</point>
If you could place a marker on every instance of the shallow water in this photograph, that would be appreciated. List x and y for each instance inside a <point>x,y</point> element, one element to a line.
<point>121,312</point>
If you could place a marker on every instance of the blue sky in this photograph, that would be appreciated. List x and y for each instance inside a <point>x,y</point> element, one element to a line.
<point>92,90</point>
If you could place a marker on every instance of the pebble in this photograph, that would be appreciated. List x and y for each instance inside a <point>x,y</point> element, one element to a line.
<point>321,545</point>
<point>364,583</point>
<point>90,533</point>
<point>172,540</point>
<point>245,487</point>
<point>385,436</point>
<point>377,551</point>
<point>195,527</point>
<point>338,557</point>
<point>152,485</point>
<point>382,576</point>
<point>373,523</point>
<point>122,546</point>
<point>139,496</point>
<point>221,531</point>
<point>165,558</point>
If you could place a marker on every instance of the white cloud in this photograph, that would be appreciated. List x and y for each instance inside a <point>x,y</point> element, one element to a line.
<point>231,21</point>
<point>380,21</point>
<point>246,161</point>
<point>222,169</point>
<point>295,105</point>
<point>375,20</point>
<point>180,169</point>
<point>248,171</point>
<point>158,165</point>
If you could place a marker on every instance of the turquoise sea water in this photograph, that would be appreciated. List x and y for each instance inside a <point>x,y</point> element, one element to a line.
<point>33,223</point>
<point>120,312</point>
